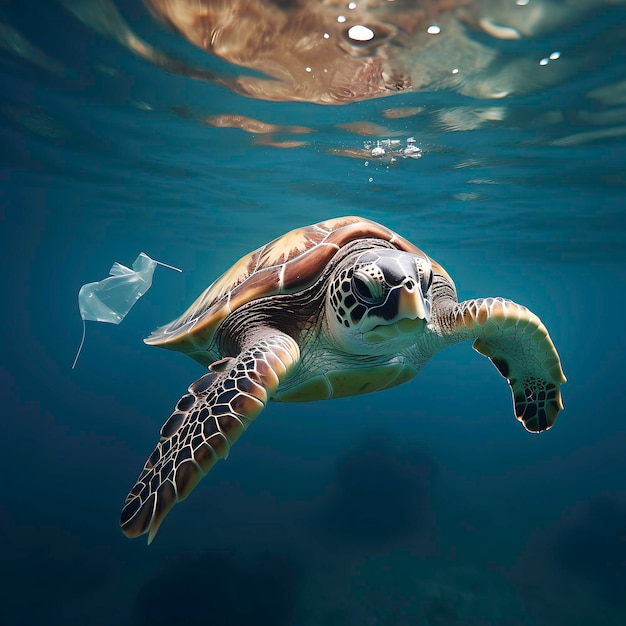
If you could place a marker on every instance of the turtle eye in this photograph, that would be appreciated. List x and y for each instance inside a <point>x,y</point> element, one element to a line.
<point>367,289</point>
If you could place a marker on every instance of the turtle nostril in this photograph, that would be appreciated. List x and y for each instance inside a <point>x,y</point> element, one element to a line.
<point>409,284</point>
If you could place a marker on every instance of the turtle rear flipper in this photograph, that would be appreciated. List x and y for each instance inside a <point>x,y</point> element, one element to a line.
<point>518,344</point>
<point>204,425</point>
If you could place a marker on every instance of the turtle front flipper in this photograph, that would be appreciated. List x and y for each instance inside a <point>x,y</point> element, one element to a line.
<point>204,425</point>
<point>518,344</point>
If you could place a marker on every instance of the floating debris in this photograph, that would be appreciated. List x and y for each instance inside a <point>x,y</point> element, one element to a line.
<point>110,299</point>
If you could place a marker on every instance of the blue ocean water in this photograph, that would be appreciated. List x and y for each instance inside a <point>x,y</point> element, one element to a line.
<point>426,504</point>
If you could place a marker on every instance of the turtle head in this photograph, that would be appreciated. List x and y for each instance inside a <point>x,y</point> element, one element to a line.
<point>379,300</point>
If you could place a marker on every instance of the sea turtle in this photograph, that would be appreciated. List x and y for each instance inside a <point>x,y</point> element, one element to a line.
<point>334,309</point>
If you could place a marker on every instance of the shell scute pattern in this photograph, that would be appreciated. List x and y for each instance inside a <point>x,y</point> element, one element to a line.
<point>285,265</point>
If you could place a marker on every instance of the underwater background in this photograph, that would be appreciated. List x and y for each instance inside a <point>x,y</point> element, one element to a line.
<point>427,504</point>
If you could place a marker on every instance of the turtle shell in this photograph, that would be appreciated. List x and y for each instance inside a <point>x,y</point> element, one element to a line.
<point>288,264</point>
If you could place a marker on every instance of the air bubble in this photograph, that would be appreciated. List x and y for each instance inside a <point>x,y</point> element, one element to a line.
<point>360,33</point>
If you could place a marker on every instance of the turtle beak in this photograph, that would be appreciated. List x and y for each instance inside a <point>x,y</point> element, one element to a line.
<point>412,304</point>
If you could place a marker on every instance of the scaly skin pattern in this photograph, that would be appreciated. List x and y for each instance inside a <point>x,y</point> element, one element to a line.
<point>204,425</point>
<point>518,344</point>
